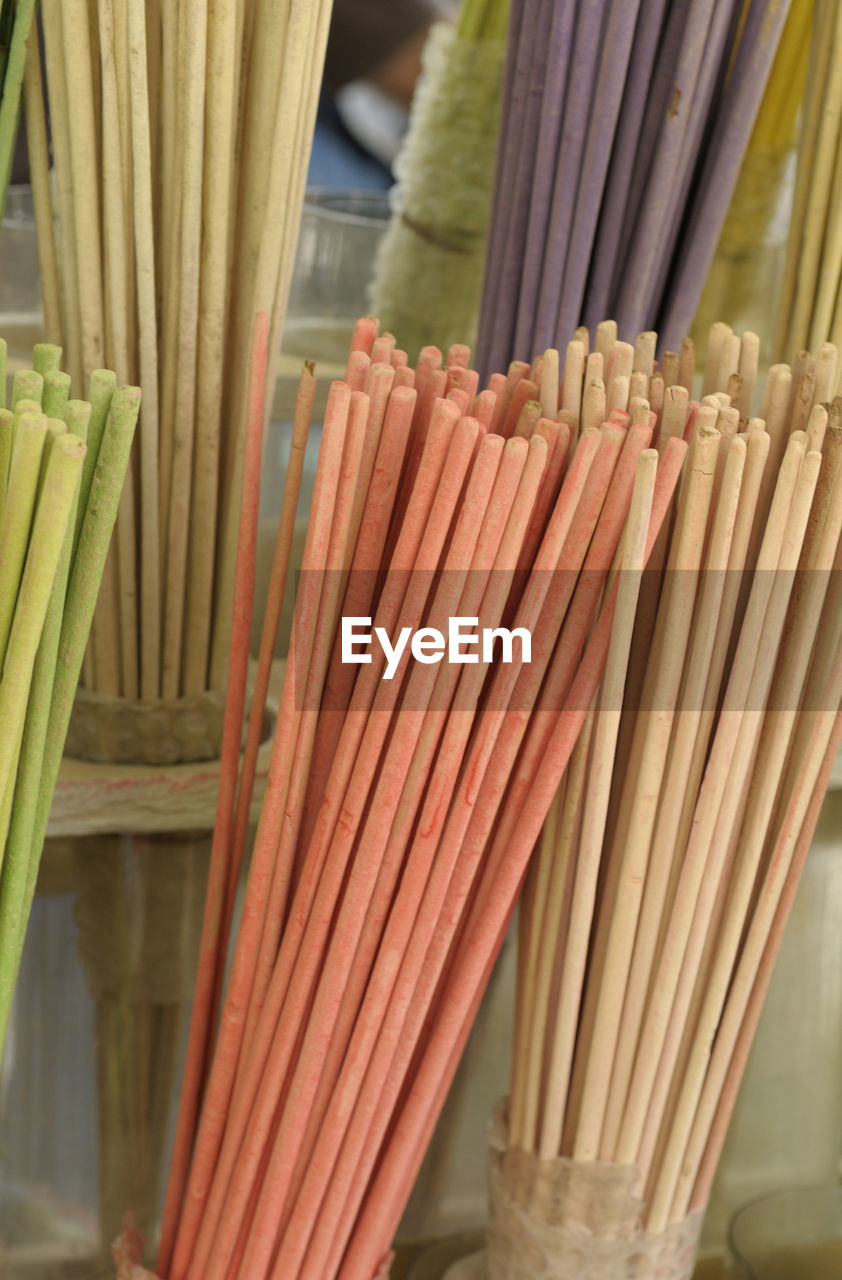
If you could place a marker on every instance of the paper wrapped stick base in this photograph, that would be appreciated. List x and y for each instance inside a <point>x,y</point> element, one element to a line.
<point>563,1220</point>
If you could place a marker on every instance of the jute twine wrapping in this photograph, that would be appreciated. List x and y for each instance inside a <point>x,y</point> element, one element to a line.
<point>116,731</point>
<point>563,1220</point>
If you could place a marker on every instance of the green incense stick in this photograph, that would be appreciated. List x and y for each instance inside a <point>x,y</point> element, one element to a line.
<point>56,391</point>
<point>6,436</point>
<point>51,522</point>
<point>10,92</point>
<point>55,427</point>
<point>46,358</point>
<point>77,415</point>
<point>18,511</point>
<point>85,576</point>
<point>22,856</point>
<point>100,392</point>
<point>27,385</point>
<point>25,405</point>
<point>20,870</point>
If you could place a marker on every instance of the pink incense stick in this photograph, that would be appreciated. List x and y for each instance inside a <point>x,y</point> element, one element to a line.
<point>460,376</point>
<point>353,472</point>
<point>360,591</point>
<point>497,384</point>
<point>468,972</point>
<point>510,513</point>
<point>419,975</point>
<point>583,605</point>
<point>435,493</point>
<point>523,391</point>
<point>202,1020</point>
<point>484,408</point>
<point>357,373</point>
<point>239,988</point>
<point>458,354</point>
<point>268,639</point>
<point>362,339</point>
<point>381,351</point>
<point>367,864</point>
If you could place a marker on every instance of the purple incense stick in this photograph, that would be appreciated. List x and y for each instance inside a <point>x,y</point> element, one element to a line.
<point>616,48</point>
<point>515,88</point>
<point>747,82</point>
<point>642,262</point>
<point>585,60</point>
<point>511,268</point>
<point>658,96</point>
<point>552,112</point>
<point>617,198</point>
<point>717,57</point>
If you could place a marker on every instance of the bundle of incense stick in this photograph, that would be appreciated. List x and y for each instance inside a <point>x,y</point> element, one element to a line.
<point>657,900</point>
<point>181,132</point>
<point>15,26</point>
<point>405,797</point>
<point>433,500</point>
<point>428,275</point>
<point>810,308</point>
<point>62,466</point>
<point>624,126</point>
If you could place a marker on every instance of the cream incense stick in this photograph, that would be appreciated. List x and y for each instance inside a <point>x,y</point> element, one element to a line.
<point>192,123</point>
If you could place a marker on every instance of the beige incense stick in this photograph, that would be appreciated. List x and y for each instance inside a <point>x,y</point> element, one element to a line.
<point>39,169</point>
<point>168,278</point>
<point>118,271</point>
<point>596,808</point>
<point>665,856</point>
<point>668,653</point>
<point>193,41</point>
<point>303,48</point>
<point>82,129</point>
<point>59,116</point>
<point>549,385</point>
<point>217,198</point>
<point>150,612</point>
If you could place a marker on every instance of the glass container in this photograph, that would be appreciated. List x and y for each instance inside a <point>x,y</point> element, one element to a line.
<point>95,1047</point>
<point>339,237</point>
<point>787,1125</point>
<point>788,1235</point>
<point>21,318</point>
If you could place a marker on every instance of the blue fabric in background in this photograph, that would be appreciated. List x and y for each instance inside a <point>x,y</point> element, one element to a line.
<point>338,161</point>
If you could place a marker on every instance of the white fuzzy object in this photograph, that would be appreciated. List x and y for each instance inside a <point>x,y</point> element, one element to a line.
<point>429,269</point>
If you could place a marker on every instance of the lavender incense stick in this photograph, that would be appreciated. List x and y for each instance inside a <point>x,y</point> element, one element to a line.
<point>619,196</point>
<point>753,63</point>
<point>616,49</point>
<point>589,26</point>
<point>642,261</point>
<point>715,59</point>
<point>552,111</point>
<point>494,333</point>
